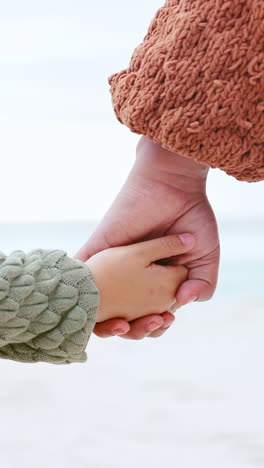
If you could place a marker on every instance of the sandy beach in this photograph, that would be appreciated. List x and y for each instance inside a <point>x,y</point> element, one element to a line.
<point>194,397</point>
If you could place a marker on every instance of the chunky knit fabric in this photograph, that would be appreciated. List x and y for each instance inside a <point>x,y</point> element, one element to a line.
<point>48,305</point>
<point>196,84</point>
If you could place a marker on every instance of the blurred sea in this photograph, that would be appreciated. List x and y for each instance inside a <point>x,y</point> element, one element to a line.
<point>242,251</point>
<point>194,397</point>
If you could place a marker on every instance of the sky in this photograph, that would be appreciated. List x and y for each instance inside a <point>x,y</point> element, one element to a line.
<point>64,154</point>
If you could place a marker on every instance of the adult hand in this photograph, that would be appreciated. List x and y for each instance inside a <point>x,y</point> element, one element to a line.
<point>165,193</point>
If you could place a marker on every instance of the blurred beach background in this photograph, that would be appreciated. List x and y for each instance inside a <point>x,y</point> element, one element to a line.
<point>194,397</point>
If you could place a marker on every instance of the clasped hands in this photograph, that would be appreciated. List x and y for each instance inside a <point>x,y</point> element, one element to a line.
<point>163,196</point>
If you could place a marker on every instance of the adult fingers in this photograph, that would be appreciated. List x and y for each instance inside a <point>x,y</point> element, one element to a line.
<point>96,242</point>
<point>151,326</point>
<point>194,290</point>
<point>142,327</point>
<point>202,280</point>
<point>112,327</point>
<point>168,320</point>
<point>200,285</point>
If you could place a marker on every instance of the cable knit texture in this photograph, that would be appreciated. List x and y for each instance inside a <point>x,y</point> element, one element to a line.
<point>48,305</point>
<point>196,84</point>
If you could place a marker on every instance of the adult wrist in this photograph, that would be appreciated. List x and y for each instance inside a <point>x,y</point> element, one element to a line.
<point>156,162</point>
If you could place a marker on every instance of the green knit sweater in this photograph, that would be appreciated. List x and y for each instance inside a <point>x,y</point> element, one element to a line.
<point>48,305</point>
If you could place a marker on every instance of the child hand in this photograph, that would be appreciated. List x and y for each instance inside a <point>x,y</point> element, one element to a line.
<point>131,285</point>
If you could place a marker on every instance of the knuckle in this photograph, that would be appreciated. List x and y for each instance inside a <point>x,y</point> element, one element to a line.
<point>171,244</point>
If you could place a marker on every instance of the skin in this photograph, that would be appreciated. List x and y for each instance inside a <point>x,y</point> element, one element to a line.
<point>165,193</point>
<point>131,284</point>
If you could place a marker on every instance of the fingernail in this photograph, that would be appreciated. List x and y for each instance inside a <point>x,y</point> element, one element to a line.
<point>187,239</point>
<point>192,299</point>
<point>168,324</point>
<point>118,331</point>
<point>173,308</point>
<point>153,326</point>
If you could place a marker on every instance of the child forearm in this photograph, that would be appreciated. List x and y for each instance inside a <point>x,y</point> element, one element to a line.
<point>48,305</point>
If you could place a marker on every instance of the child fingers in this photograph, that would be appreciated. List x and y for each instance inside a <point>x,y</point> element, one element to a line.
<point>175,275</point>
<point>165,281</point>
<point>164,247</point>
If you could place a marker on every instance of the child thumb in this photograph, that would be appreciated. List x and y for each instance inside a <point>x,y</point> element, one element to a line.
<point>165,247</point>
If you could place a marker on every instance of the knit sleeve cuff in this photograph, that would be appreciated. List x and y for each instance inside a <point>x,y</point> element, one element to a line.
<point>48,305</point>
<point>196,84</point>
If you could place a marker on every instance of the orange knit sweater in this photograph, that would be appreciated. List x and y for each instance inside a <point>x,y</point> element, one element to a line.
<point>196,84</point>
